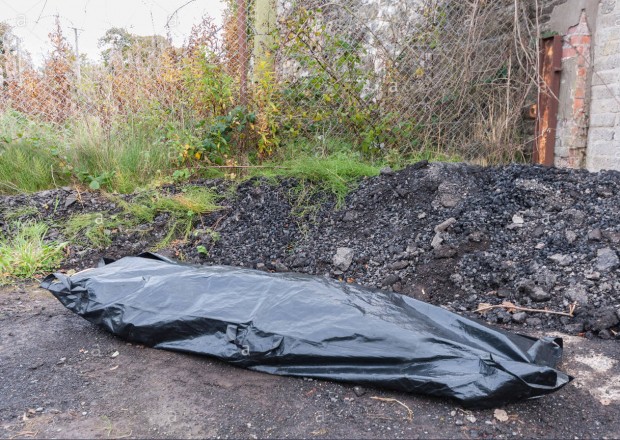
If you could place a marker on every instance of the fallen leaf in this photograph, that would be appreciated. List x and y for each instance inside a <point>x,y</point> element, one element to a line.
<point>500,415</point>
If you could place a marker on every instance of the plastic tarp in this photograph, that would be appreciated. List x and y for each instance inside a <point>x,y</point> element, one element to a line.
<point>310,326</point>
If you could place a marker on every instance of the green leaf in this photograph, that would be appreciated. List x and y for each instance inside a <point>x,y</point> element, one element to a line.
<point>94,184</point>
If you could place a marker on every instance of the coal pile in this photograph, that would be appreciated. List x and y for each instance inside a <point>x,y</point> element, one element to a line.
<point>455,235</point>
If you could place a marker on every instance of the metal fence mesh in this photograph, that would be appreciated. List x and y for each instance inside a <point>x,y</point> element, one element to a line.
<point>406,74</point>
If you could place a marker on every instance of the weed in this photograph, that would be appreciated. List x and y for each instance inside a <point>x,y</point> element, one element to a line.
<point>17,213</point>
<point>27,253</point>
<point>97,227</point>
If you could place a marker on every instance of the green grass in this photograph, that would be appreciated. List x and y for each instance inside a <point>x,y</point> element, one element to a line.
<point>183,209</point>
<point>26,253</point>
<point>35,155</point>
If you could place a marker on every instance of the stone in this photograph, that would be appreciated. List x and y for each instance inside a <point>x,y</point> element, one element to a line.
<point>443,226</point>
<point>561,259</point>
<point>539,295</point>
<point>571,236</point>
<point>533,322</point>
<point>578,294</point>
<point>437,240</point>
<point>280,267</point>
<point>449,194</point>
<point>359,391</point>
<point>398,265</point>
<point>606,259</point>
<point>595,235</point>
<point>386,171</point>
<point>70,200</point>
<point>343,258</point>
<point>519,317</point>
<point>390,279</point>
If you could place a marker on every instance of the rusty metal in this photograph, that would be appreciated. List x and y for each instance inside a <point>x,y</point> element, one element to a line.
<point>550,68</point>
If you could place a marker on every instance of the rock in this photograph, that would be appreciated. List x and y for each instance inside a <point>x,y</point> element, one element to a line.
<point>437,240</point>
<point>449,194</point>
<point>443,226</point>
<point>421,215</point>
<point>595,235</point>
<point>539,295</point>
<point>578,294</point>
<point>503,292</point>
<point>592,275</point>
<point>570,236</point>
<point>386,171</point>
<point>280,267</point>
<point>606,259</point>
<point>390,279</point>
<point>343,258</point>
<point>562,260</point>
<point>359,391</point>
<point>70,200</point>
<point>533,322</point>
<point>519,317</point>
<point>614,237</point>
<point>517,219</point>
<point>398,265</point>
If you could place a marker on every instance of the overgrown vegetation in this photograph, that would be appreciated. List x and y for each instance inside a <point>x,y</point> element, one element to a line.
<point>151,112</point>
<point>25,252</point>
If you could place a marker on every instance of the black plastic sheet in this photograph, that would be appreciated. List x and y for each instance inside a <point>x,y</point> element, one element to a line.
<point>301,325</point>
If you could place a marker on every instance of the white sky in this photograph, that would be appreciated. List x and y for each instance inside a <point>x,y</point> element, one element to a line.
<point>33,20</point>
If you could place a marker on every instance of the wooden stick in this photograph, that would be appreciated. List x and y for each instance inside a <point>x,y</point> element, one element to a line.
<point>571,309</point>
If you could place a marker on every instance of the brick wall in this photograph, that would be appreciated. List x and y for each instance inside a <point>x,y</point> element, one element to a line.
<point>572,129</point>
<point>604,132</point>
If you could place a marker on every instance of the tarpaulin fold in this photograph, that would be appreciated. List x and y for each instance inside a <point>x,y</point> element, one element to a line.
<point>301,325</point>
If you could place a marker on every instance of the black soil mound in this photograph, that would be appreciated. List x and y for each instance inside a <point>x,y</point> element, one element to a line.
<point>451,234</point>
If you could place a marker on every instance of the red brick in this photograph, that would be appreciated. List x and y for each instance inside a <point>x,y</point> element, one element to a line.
<point>569,52</point>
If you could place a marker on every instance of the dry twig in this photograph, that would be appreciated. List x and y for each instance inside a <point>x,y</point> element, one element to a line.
<point>510,307</point>
<point>386,399</point>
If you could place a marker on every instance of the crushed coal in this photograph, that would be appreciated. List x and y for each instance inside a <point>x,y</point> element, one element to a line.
<point>454,235</point>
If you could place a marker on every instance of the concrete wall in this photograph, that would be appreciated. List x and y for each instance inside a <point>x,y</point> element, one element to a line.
<point>603,150</point>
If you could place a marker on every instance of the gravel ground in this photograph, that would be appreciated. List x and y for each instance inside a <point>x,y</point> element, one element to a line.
<point>62,377</point>
<point>451,234</point>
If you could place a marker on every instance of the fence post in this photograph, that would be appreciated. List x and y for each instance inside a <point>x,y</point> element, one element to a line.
<point>244,54</point>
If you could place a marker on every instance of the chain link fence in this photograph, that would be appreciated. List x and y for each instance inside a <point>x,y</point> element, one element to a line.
<point>403,75</point>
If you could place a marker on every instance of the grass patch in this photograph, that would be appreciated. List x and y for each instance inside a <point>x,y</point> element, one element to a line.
<point>336,174</point>
<point>27,253</point>
<point>183,210</point>
<point>35,155</point>
<point>23,211</point>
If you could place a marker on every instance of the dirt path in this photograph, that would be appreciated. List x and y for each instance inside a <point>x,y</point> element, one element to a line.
<point>59,378</point>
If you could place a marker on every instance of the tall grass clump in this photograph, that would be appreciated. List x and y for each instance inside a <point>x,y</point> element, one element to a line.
<point>27,253</point>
